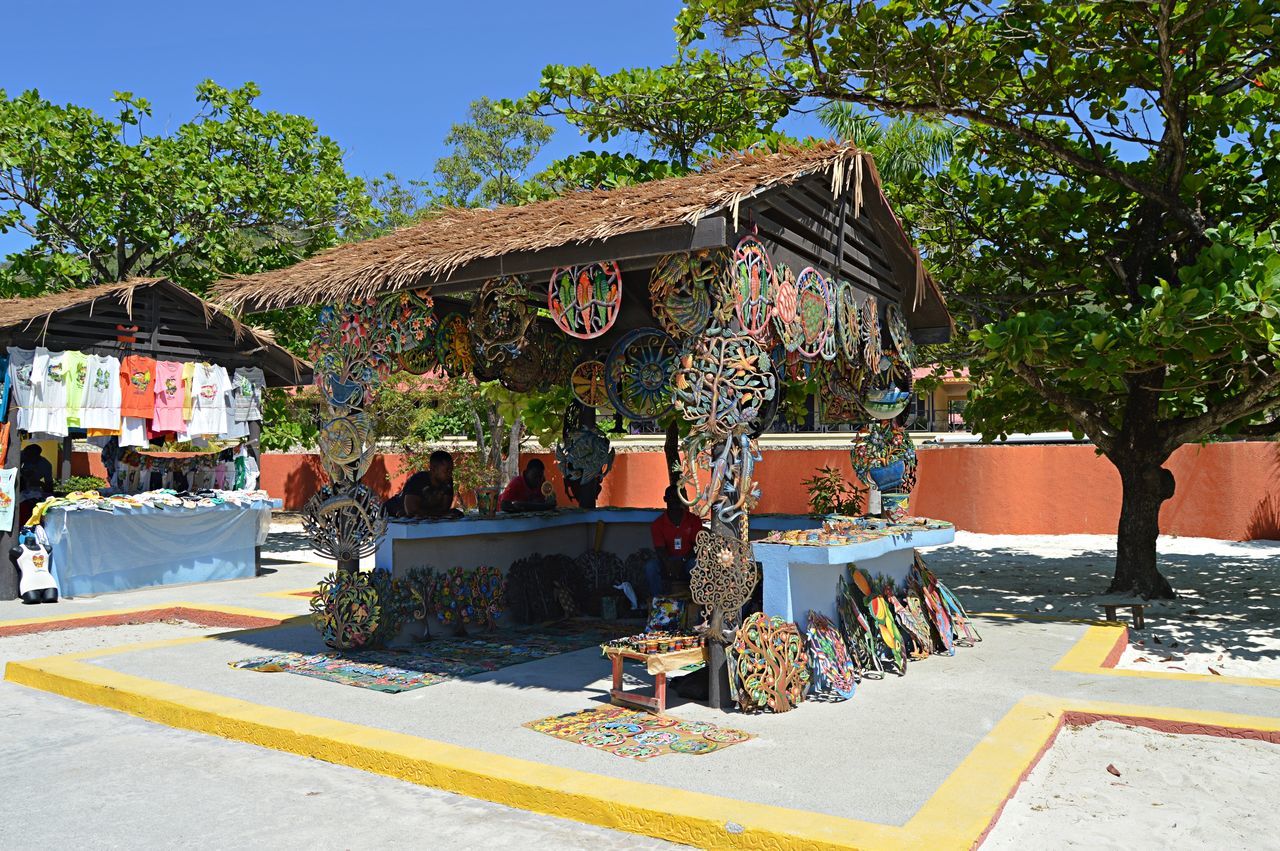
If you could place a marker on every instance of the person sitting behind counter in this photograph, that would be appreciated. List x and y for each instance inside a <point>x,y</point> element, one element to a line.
<point>524,492</point>
<point>429,492</point>
<point>674,534</point>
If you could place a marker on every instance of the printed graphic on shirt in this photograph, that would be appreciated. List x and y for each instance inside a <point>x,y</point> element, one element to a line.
<point>171,386</point>
<point>37,560</point>
<point>5,500</point>
<point>207,391</point>
<point>55,371</point>
<point>24,373</point>
<point>82,372</point>
<point>140,380</point>
<point>101,378</point>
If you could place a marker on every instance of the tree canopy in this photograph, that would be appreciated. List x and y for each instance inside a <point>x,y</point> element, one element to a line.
<point>1110,223</point>
<point>232,191</point>
<point>492,152</point>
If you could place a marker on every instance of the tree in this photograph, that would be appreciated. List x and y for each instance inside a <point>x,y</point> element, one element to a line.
<point>491,153</point>
<point>595,170</point>
<point>1112,224</point>
<point>700,103</point>
<point>235,190</point>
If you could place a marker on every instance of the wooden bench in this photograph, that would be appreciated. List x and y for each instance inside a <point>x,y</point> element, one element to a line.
<point>1135,610</point>
<point>658,665</point>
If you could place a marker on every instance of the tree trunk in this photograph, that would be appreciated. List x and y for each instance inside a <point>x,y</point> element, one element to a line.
<point>1146,485</point>
<point>671,450</point>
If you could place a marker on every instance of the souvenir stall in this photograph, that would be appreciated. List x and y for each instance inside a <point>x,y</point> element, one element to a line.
<point>694,299</point>
<point>169,391</point>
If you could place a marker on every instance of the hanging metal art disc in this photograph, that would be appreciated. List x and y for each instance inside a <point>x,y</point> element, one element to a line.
<point>638,374</point>
<point>346,444</point>
<point>584,300</point>
<point>871,346</point>
<point>724,383</point>
<point>588,384</point>
<point>454,348</point>
<point>559,356</point>
<point>786,321</point>
<point>815,314</point>
<point>585,455</point>
<point>900,334</point>
<point>753,287</point>
<point>849,323</point>
<point>724,572</point>
<point>407,320</point>
<point>500,319</point>
<point>524,372</point>
<point>882,398</point>
<point>344,522</point>
<point>680,290</point>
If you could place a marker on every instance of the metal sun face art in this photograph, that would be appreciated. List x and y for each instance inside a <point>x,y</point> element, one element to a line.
<point>680,291</point>
<point>638,374</point>
<point>815,315</point>
<point>752,284</point>
<point>584,300</point>
<point>454,348</point>
<point>500,319</point>
<point>588,384</point>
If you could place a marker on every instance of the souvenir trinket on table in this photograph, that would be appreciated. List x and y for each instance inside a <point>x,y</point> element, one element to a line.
<point>882,620</point>
<point>833,672</point>
<point>454,348</point>
<point>500,320</point>
<point>815,310</point>
<point>770,664</point>
<point>751,284</point>
<point>665,614</point>
<point>849,324</point>
<point>786,319</point>
<point>900,334</point>
<point>654,642</point>
<point>638,374</point>
<point>584,300</point>
<point>680,290</point>
<point>345,609</point>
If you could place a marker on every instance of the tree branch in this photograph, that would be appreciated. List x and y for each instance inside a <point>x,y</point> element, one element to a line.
<point>1257,398</point>
<point>1086,415</point>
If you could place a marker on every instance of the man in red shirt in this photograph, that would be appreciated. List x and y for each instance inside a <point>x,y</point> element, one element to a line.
<point>673,533</point>
<point>524,492</point>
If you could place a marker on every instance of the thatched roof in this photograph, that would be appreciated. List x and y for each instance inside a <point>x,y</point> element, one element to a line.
<point>37,317</point>
<point>432,251</point>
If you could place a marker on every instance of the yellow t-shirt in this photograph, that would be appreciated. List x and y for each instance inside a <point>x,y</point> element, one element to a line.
<point>188,375</point>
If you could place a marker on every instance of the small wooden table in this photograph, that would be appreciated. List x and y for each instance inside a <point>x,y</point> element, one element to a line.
<point>657,664</point>
<point>1134,607</point>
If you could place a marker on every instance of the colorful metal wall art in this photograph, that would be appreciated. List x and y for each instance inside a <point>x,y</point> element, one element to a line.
<point>638,374</point>
<point>680,291</point>
<point>833,672</point>
<point>345,610</point>
<point>751,283</point>
<point>770,664</point>
<point>584,300</point>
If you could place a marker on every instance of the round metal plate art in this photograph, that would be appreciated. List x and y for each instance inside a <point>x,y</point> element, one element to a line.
<point>521,374</point>
<point>815,317</point>
<point>454,348</point>
<point>785,319</point>
<point>848,323</point>
<point>346,446</point>
<point>585,455</point>
<point>680,291</point>
<point>724,572</point>
<point>588,384</point>
<point>407,320</point>
<point>344,524</point>
<point>584,300</point>
<point>753,286</point>
<point>871,347</point>
<point>638,374</point>
<point>500,319</point>
<point>724,383</point>
<point>900,334</point>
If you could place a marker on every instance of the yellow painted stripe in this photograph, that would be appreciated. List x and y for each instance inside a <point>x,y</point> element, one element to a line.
<point>1087,655</point>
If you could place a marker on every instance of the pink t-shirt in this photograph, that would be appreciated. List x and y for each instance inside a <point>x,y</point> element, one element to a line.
<point>169,397</point>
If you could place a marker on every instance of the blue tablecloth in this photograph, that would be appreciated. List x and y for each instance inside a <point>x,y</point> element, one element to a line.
<point>96,552</point>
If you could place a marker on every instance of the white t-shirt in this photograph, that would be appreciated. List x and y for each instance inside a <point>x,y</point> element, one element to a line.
<point>49,394</point>
<point>20,362</point>
<point>100,405</point>
<point>34,567</point>
<point>209,387</point>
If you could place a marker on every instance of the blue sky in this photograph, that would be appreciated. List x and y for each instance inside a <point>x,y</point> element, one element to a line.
<point>385,79</point>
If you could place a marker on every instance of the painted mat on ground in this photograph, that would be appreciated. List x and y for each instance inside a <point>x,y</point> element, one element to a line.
<point>637,735</point>
<point>440,659</point>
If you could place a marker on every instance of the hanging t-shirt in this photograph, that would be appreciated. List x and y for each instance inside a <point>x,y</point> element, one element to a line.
<point>100,405</point>
<point>170,395</point>
<point>19,378</point>
<point>188,386</point>
<point>4,397</point>
<point>247,393</point>
<point>138,387</point>
<point>8,496</point>
<point>209,408</point>
<point>133,431</point>
<point>75,364</point>
<point>49,394</point>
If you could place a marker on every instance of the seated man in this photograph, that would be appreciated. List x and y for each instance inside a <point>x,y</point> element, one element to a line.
<point>524,492</point>
<point>429,492</point>
<point>673,533</point>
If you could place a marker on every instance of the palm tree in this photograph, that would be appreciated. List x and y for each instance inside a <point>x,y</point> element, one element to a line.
<point>905,149</point>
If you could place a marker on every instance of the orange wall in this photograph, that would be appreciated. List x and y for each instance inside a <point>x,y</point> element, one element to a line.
<point>1224,490</point>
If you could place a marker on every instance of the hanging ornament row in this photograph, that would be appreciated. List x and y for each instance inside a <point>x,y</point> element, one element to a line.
<point>584,300</point>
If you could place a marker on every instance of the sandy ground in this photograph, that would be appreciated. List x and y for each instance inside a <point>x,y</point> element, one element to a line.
<point>1173,791</point>
<point>93,778</point>
<point>1223,622</point>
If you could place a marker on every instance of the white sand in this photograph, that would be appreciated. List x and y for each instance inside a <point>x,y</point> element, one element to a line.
<point>1225,618</point>
<point>1174,791</point>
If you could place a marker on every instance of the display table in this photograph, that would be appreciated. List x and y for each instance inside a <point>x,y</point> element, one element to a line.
<point>96,552</point>
<point>658,665</point>
<point>476,541</point>
<point>798,578</point>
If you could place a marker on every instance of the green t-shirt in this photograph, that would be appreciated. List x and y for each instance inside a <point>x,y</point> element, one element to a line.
<point>75,367</point>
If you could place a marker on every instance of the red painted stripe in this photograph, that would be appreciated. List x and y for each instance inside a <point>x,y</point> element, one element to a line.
<point>203,617</point>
